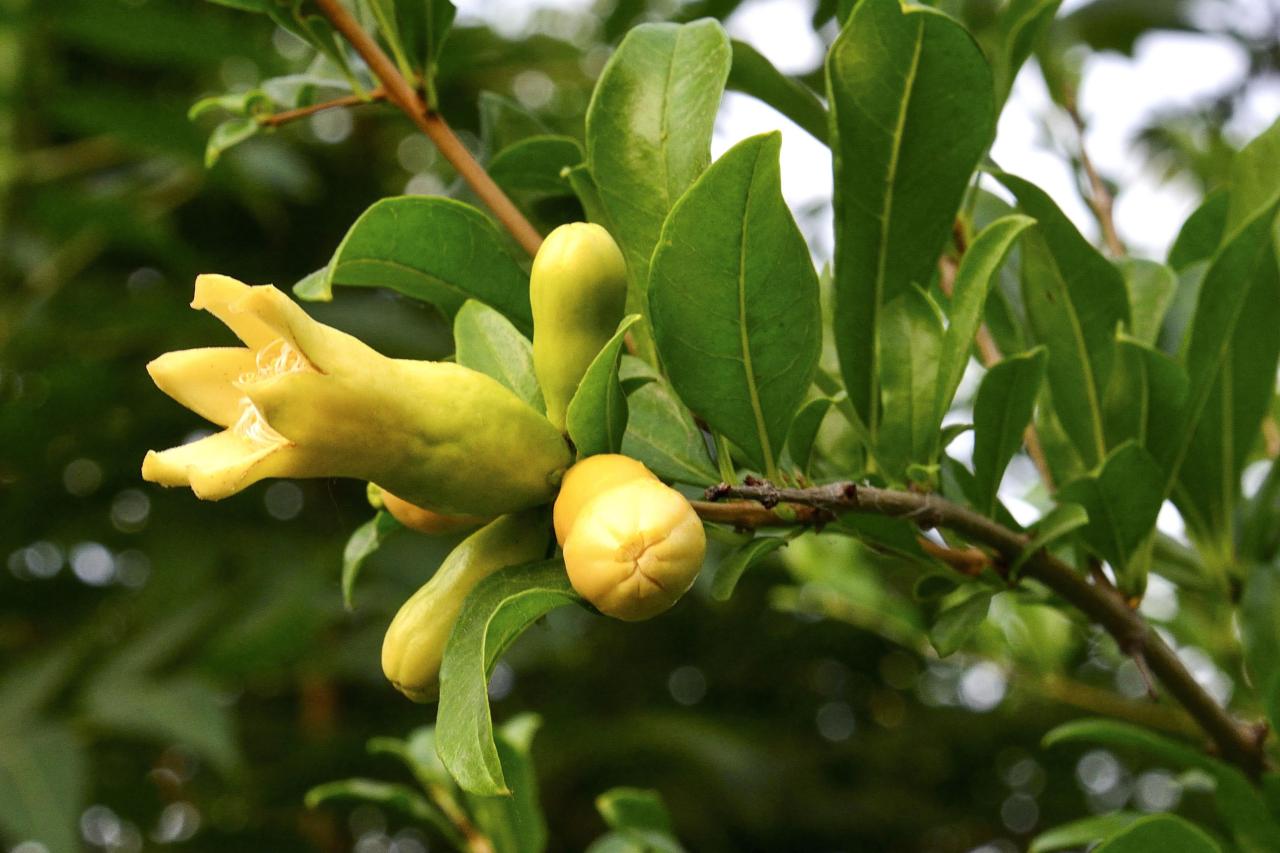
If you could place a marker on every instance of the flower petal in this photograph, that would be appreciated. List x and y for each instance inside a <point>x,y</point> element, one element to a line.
<point>323,346</point>
<point>219,465</point>
<point>217,293</point>
<point>203,380</point>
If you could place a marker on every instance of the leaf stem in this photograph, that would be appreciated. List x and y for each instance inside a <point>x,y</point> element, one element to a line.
<point>286,116</point>
<point>403,95</point>
<point>755,507</point>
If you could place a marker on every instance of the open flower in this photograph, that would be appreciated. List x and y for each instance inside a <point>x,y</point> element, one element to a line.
<point>302,399</point>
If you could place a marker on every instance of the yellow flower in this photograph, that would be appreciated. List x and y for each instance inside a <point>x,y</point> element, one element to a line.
<point>302,399</point>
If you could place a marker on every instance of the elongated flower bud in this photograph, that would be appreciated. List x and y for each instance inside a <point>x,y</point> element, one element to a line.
<point>578,291</point>
<point>415,642</point>
<point>589,478</point>
<point>635,549</point>
<point>302,399</point>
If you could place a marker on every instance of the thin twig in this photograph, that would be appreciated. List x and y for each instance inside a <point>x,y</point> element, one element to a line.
<point>403,95</point>
<point>1099,200</point>
<point>286,116</point>
<point>1235,742</point>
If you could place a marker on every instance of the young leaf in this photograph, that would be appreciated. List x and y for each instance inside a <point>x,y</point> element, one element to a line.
<point>911,341</point>
<point>488,342</point>
<point>597,415</point>
<point>1075,298</point>
<point>978,270</point>
<point>1150,287</point>
<point>496,612</point>
<point>958,622</point>
<point>1003,407</point>
<point>1159,832</point>
<point>1122,500</point>
<point>1056,523</point>
<point>434,249</point>
<point>227,135</point>
<point>804,432</point>
<point>732,567</point>
<point>660,431</point>
<point>649,131</point>
<point>634,808</point>
<point>899,79</point>
<point>734,301</point>
<point>366,539</point>
<point>753,74</point>
<point>1082,832</point>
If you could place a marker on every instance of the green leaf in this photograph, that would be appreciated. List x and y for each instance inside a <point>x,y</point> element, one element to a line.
<point>732,567</point>
<point>44,775</point>
<point>1056,523</point>
<point>488,342</point>
<point>515,822</point>
<point>228,134</point>
<point>597,415</point>
<point>911,343</point>
<point>753,74</point>
<point>1201,234</point>
<point>364,540</point>
<point>1082,832</point>
<point>1075,298</point>
<point>1122,500</point>
<point>649,133</point>
<point>1146,394</point>
<point>1260,629</point>
<point>804,432</point>
<point>29,685</point>
<point>415,31</point>
<point>734,301</point>
<point>1157,833</point>
<point>660,431</point>
<point>1001,411</point>
<point>399,798</point>
<point>634,808</point>
<point>1023,23</point>
<point>496,612</point>
<point>898,79</point>
<point>434,249</point>
<point>534,167</point>
<point>1255,179</point>
<point>978,270</point>
<point>1150,286</point>
<point>956,624</point>
<point>934,586</point>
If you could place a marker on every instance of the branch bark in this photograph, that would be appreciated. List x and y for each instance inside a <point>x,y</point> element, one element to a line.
<point>1099,199</point>
<point>759,504</point>
<point>403,95</point>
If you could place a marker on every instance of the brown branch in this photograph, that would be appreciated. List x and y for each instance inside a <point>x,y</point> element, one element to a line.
<point>1235,742</point>
<point>403,95</point>
<point>1099,199</point>
<point>286,116</point>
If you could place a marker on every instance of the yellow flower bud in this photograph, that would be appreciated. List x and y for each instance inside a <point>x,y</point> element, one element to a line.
<point>635,549</point>
<point>414,644</point>
<point>424,520</point>
<point>589,478</point>
<point>302,399</point>
<point>578,291</point>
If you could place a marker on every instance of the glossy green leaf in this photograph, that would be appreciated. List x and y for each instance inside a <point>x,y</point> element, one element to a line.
<point>804,432</point>
<point>1260,628</point>
<point>597,415</point>
<point>734,301</point>
<point>43,784</point>
<point>1150,286</point>
<point>978,270</point>
<point>415,31</point>
<point>1075,299</point>
<point>660,431</point>
<point>1122,500</point>
<point>496,612</point>
<point>1147,393</point>
<point>434,249</point>
<point>899,78</point>
<point>364,541</point>
<point>1255,178</point>
<point>732,567</point>
<point>753,74</point>
<point>911,343</point>
<point>1055,524</point>
<point>956,624</point>
<point>1001,411</point>
<point>634,808</point>
<point>488,342</point>
<point>1161,832</point>
<point>534,167</point>
<point>514,823</point>
<point>1023,23</point>
<point>649,132</point>
<point>1202,232</point>
<point>1082,832</point>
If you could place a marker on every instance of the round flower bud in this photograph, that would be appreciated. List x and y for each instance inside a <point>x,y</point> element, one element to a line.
<point>424,520</point>
<point>635,549</point>
<point>589,478</point>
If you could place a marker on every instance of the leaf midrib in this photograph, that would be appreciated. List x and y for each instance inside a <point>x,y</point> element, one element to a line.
<point>753,393</point>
